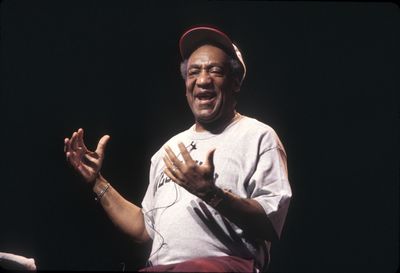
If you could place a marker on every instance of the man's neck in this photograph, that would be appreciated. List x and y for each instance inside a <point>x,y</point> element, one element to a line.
<point>217,127</point>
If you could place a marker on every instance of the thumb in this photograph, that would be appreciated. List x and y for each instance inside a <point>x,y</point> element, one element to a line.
<point>210,159</point>
<point>101,146</point>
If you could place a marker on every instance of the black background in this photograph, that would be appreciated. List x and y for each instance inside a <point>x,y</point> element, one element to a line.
<point>324,75</point>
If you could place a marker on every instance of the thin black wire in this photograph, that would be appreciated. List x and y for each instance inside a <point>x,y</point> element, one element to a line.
<point>193,145</point>
<point>152,224</point>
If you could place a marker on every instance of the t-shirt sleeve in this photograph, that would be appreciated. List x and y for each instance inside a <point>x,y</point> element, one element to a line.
<point>270,185</point>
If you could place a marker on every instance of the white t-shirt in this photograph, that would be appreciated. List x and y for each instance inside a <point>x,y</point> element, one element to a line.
<point>250,161</point>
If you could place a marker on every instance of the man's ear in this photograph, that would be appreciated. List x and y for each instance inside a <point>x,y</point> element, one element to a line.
<point>236,85</point>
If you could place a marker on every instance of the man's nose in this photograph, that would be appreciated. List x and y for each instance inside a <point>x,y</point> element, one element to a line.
<point>204,78</point>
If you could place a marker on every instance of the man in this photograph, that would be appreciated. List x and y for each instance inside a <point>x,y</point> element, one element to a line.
<point>218,192</point>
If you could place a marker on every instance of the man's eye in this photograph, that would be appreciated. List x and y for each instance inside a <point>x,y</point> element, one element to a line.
<point>216,70</point>
<point>193,72</point>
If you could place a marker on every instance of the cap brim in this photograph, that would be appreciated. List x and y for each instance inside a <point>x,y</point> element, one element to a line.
<point>197,36</point>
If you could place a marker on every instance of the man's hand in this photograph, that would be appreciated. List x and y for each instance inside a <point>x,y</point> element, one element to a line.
<point>197,179</point>
<point>85,162</point>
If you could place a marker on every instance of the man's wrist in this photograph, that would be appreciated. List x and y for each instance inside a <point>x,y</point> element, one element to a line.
<point>214,197</point>
<point>100,187</point>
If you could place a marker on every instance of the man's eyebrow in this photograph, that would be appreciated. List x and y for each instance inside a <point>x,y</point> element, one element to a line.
<point>207,65</point>
<point>194,66</point>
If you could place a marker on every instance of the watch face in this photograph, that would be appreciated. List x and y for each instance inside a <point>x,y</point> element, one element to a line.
<point>216,197</point>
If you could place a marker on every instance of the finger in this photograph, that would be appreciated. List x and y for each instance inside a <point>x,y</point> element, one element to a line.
<point>73,159</point>
<point>80,140</point>
<point>168,162</point>
<point>173,169</point>
<point>185,154</point>
<point>91,161</point>
<point>171,156</point>
<point>210,160</point>
<point>67,155</point>
<point>73,141</point>
<point>101,146</point>
<point>66,144</point>
<point>85,171</point>
<point>172,176</point>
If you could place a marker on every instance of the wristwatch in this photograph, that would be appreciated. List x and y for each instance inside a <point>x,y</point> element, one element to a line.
<point>214,197</point>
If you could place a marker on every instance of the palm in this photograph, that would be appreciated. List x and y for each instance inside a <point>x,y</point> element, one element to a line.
<point>197,179</point>
<point>87,163</point>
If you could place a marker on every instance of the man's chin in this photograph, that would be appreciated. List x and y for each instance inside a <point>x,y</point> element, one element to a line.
<point>206,119</point>
<point>208,116</point>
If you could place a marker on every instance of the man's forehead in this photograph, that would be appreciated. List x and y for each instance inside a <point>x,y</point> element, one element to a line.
<point>208,54</point>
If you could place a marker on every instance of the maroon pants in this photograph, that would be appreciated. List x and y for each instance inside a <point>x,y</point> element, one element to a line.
<point>206,264</point>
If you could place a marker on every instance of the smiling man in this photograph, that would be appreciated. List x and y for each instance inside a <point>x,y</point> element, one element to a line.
<point>218,193</point>
<point>210,87</point>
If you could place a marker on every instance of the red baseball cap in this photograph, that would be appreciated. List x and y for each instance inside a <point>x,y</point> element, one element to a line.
<point>196,36</point>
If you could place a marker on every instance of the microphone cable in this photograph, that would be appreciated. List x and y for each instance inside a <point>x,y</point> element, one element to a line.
<point>151,225</point>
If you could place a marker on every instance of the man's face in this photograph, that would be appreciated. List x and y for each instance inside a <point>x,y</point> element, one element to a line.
<point>209,85</point>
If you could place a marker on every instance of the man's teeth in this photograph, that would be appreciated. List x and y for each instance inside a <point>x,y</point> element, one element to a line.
<point>205,97</point>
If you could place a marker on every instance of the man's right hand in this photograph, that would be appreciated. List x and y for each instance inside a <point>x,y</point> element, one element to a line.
<point>87,163</point>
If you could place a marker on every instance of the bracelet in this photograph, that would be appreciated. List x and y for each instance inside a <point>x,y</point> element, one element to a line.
<point>101,194</point>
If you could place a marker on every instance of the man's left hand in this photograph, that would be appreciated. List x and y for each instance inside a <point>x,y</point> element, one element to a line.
<point>197,179</point>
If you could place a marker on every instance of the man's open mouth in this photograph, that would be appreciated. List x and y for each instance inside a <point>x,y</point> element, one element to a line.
<point>206,96</point>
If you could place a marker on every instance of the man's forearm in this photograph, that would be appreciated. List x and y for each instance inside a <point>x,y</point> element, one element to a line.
<point>124,214</point>
<point>247,214</point>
